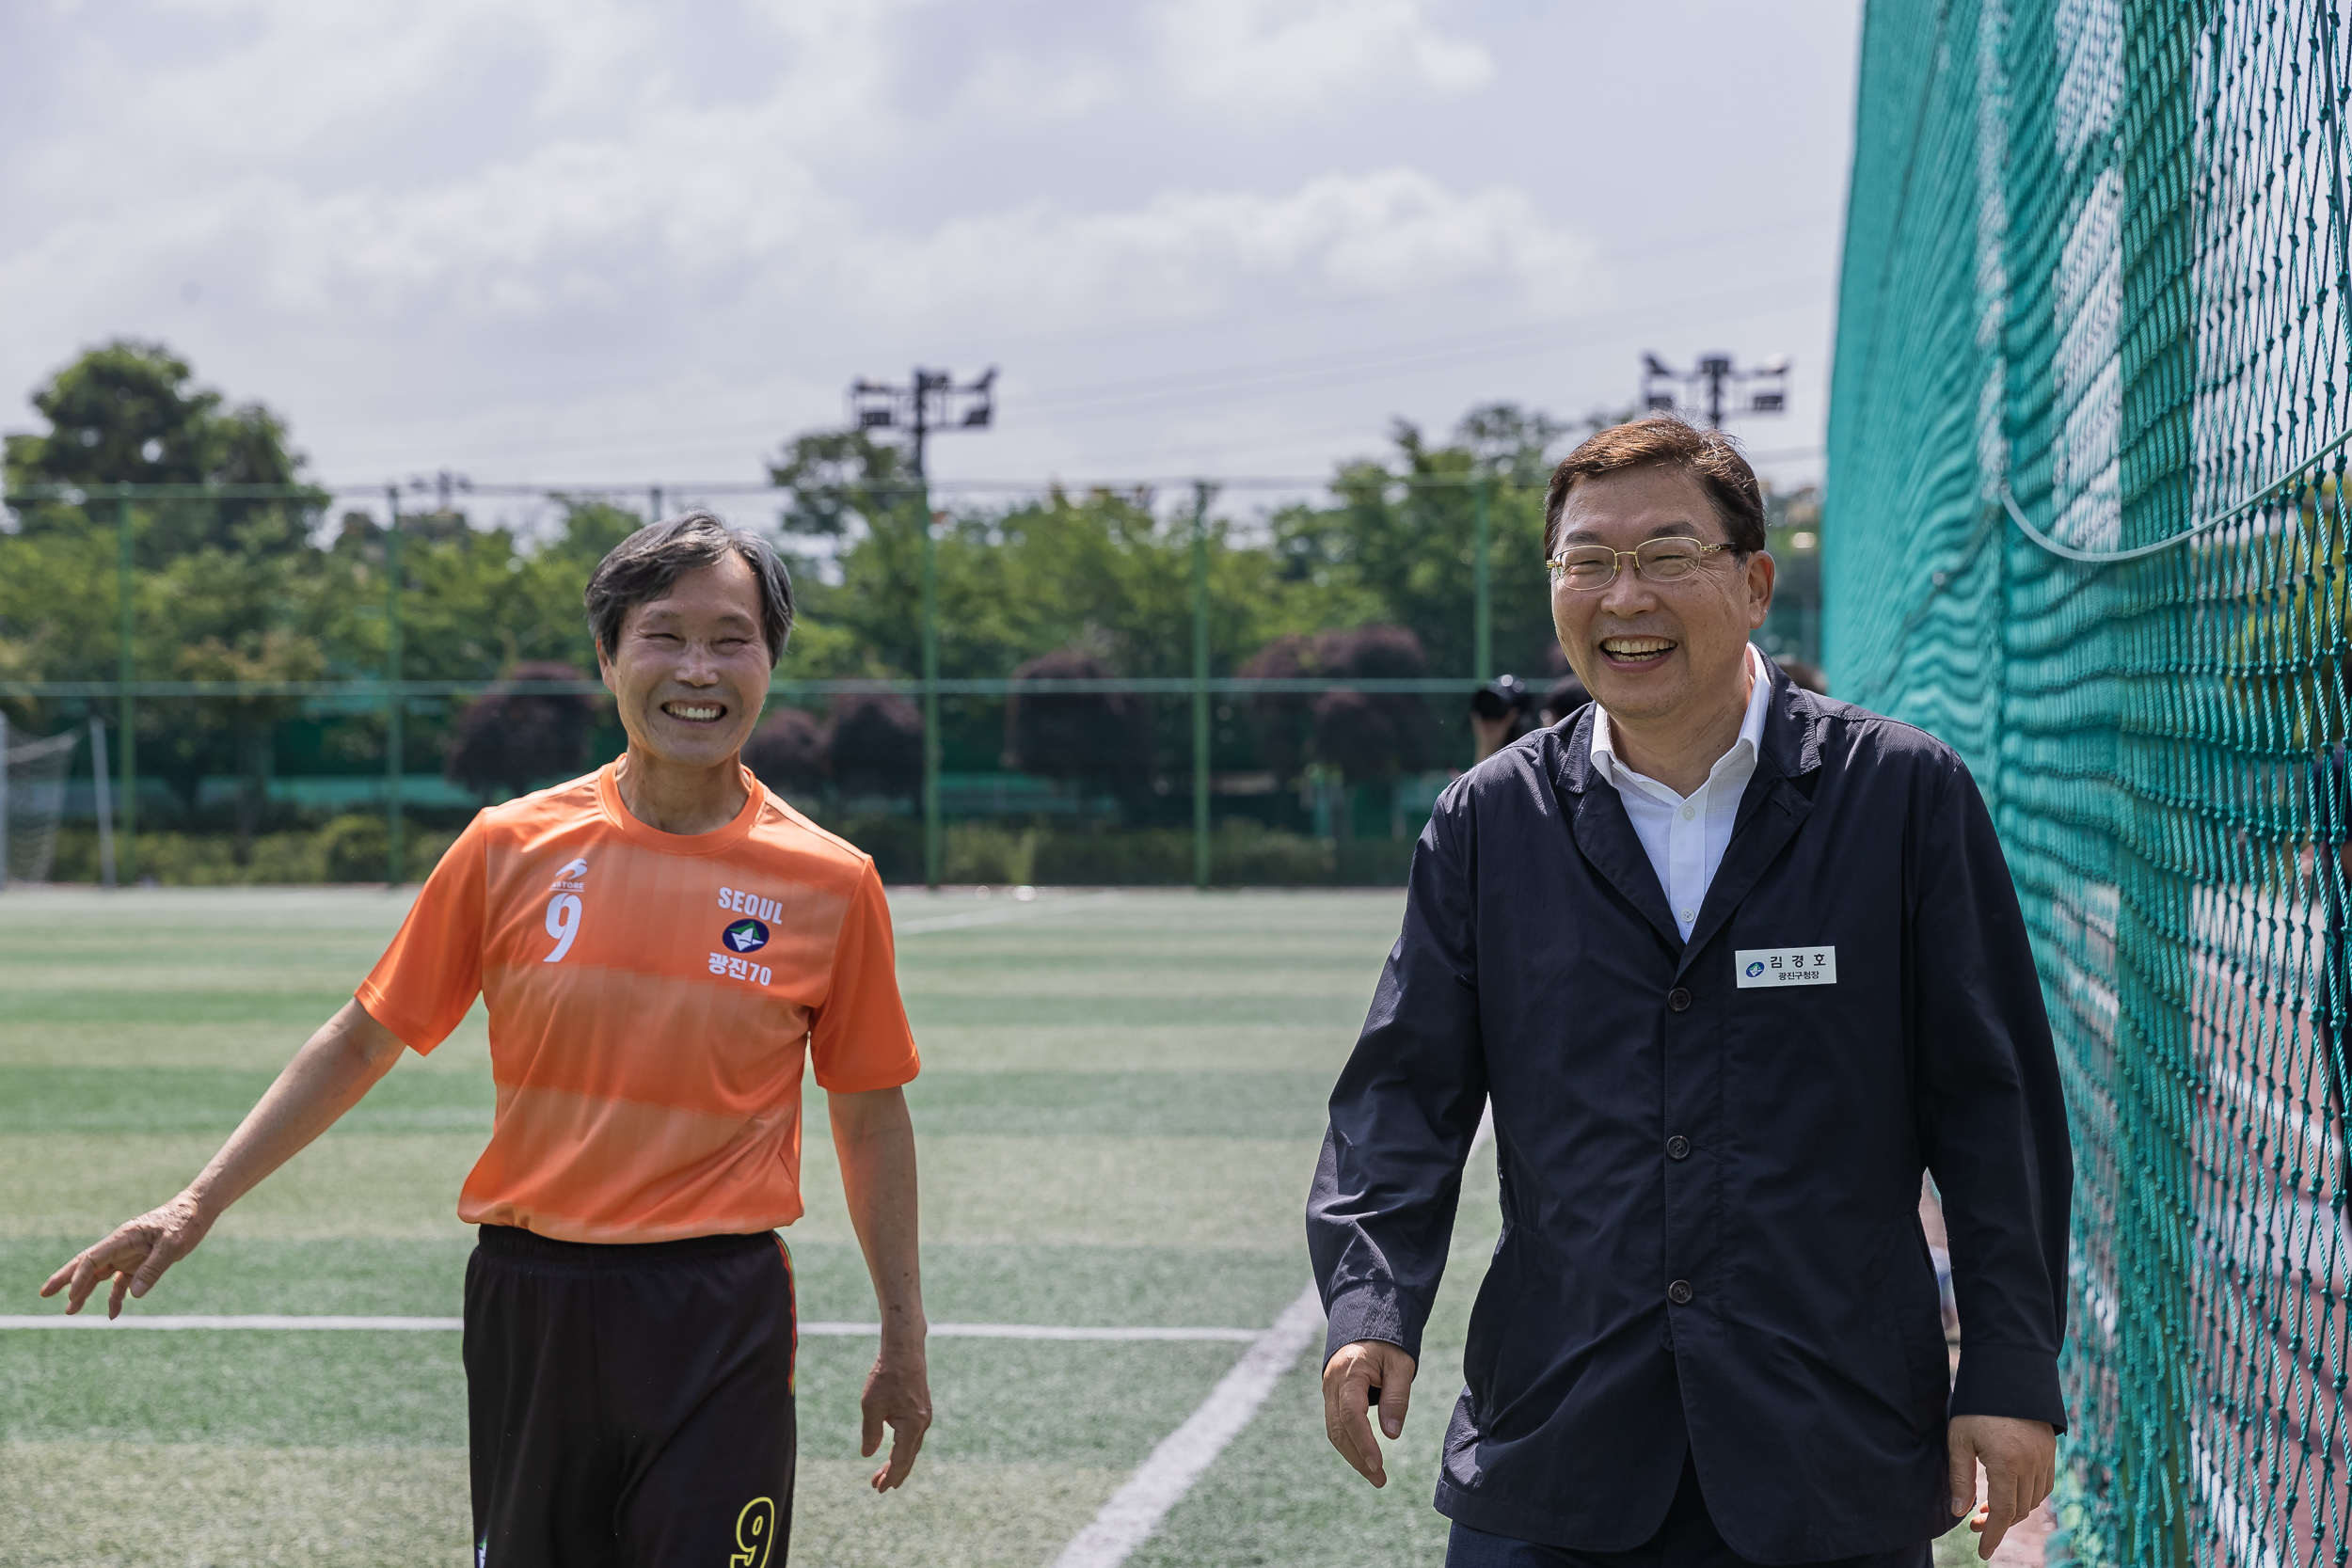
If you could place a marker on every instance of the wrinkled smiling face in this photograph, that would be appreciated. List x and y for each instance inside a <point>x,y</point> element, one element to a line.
<point>1650,651</point>
<point>690,668</point>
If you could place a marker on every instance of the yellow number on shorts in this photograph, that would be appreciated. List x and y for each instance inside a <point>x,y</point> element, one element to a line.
<point>754,1529</point>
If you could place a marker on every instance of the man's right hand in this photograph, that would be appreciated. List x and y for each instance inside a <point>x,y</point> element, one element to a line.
<point>133,1257</point>
<point>1348,1378</point>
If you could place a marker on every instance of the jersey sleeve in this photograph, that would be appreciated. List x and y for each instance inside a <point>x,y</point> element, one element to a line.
<point>859,1039</point>
<point>420,988</point>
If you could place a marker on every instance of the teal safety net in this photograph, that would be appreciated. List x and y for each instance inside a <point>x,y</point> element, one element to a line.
<point>2087,450</point>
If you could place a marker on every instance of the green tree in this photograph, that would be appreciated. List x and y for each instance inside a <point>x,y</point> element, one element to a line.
<point>1402,538</point>
<point>229,587</point>
<point>839,480</point>
<point>130,412</point>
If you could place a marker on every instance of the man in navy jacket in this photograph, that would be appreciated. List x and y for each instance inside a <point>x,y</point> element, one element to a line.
<point>1733,963</point>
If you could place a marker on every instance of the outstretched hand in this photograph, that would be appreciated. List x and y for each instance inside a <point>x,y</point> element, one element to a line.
<point>1348,1379</point>
<point>134,1256</point>
<point>897,1394</point>
<point>2020,1460</point>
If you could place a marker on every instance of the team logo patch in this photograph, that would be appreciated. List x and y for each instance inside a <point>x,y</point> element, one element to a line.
<point>745,936</point>
<point>1754,970</point>
<point>572,878</point>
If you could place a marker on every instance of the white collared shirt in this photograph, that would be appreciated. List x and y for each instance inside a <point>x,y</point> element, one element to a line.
<point>1685,836</point>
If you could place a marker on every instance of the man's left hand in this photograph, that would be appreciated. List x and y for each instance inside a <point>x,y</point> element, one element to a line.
<point>897,1394</point>
<point>2020,1461</point>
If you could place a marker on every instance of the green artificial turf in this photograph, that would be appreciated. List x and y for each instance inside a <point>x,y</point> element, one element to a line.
<point>1118,1120</point>
<point>1085,1286</point>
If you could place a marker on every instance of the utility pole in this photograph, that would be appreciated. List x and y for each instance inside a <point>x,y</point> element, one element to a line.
<point>929,400</point>
<point>1765,387</point>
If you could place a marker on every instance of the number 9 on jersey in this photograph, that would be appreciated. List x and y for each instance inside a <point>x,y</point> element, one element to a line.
<point>562,923</point>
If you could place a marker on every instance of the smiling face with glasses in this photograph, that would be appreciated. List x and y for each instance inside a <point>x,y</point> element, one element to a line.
<point>1653,607</point>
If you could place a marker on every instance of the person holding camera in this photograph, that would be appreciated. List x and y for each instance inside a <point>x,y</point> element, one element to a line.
<point>1499,712</point>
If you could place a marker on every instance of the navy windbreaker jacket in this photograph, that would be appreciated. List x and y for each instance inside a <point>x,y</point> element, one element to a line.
<point>1711,1237</point>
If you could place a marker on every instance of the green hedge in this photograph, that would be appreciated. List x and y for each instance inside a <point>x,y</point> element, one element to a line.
<point>1242,853</point>
<point>348,848</point>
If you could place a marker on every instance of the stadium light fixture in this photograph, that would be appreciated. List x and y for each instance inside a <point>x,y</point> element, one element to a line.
<point>929,400</point>
<point>441,487</point>
<point>1761,390</point>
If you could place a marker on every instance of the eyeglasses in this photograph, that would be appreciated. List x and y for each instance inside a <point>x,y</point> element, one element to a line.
<point>1588,566</point>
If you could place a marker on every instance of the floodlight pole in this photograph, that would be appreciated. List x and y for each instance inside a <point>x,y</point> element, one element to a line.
<point>877,406</point>
<point>392,759</point>
<point>934,834</point>
<point>1483,610</point>
<point>128,665</point>
<point>1201,684</point>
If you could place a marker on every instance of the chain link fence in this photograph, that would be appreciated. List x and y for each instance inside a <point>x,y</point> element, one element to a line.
<point>1173,684</point>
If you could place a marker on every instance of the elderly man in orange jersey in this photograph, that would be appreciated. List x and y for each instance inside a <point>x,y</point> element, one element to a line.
<point>662,944</point>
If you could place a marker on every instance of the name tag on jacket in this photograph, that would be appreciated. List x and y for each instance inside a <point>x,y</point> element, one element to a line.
<point>1787,966</point>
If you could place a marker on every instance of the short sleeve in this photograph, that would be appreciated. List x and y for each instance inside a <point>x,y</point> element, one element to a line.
<point>860,1039</point>
<point>420,988</point>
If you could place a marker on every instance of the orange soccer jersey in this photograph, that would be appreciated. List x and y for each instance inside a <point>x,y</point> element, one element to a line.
<point>651,999</point>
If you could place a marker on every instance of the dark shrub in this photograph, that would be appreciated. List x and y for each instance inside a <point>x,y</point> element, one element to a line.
<point>876,743</point>
<point>1365,735</point>
<point>788,752</point>
<point>1097,739</point>
<point>520,741</point>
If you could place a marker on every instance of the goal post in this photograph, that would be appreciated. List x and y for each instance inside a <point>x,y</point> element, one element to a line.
<point>32,800</point>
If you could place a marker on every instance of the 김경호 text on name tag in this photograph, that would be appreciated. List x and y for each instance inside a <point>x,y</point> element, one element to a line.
<point>1787,966</point>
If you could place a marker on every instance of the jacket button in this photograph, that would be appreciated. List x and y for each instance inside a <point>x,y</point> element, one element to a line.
<point>1679,1292</point>
<point>1678,1147</point>
<point>1679,999</point>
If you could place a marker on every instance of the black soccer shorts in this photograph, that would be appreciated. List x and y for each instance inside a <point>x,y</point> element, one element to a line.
<point>629,1406</point>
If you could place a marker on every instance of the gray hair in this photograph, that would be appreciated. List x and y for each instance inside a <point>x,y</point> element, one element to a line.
<point>642,567</point>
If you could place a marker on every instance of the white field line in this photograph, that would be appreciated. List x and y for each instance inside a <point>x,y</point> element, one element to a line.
<point>1001,915</point>
<point>1046,1331</point>
<point>1135,1510</point>
<point>247,1320</point>
<point>808,1330</point>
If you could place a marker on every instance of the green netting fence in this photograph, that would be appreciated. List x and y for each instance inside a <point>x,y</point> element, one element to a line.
<point>2087,456</point>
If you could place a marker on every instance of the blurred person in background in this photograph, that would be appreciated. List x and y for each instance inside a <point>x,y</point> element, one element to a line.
<point>1729,964</point>
<point>663,945</point>
<point>1498,713</point>
<point>1805,674</point>
<point>1566,695</point>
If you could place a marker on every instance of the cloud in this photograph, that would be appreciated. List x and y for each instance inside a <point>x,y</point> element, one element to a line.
<point>1384,231</point>
<point>1283,51</point>
<point>522,234</point>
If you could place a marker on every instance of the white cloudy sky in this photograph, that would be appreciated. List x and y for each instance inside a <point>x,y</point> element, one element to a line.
<point>579,240</point>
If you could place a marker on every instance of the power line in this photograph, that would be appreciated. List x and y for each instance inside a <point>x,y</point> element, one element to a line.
<point>1112,400</point>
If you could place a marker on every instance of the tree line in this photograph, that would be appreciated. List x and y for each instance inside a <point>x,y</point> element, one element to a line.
<point>1377,580</point>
